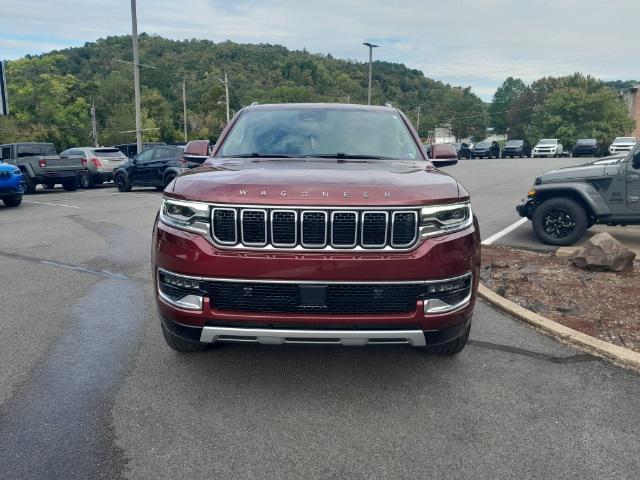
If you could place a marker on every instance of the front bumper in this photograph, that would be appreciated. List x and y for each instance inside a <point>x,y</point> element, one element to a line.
<point>525,208</point>
<point>12,187</point>
<point>281,336</point>
<point>435,259</point>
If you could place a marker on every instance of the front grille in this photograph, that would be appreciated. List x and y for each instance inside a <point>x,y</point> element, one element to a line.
<point>4,175</point>
<point>332,298</point>
<point>314,228</point>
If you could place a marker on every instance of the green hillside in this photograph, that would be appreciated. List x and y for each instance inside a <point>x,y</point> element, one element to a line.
<point>51,94</point>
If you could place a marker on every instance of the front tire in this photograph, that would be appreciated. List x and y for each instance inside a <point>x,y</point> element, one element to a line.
<point>30,185</point>
<point>122,183</point>
<point>451,348</point>
<point>560,221</point>
<point>181,345</point>
<point>87,181</point>
<point>12,201</point>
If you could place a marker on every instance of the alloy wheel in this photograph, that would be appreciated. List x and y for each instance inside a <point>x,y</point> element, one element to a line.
<point>559,223</point>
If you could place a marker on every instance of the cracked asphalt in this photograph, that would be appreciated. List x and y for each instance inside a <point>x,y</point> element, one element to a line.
<point>88,389</point>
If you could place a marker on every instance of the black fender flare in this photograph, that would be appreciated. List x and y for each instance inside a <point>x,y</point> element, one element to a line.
<point>26,168</point>
<point>583,192</point>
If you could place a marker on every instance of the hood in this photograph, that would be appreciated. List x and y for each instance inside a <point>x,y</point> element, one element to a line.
<point>580,172</point>
<point>6,167</point>
<point>623,144</point>
<point>317,182</point>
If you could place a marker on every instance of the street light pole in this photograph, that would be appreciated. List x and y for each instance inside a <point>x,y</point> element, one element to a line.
<point>136,75</point>
<point>371,47</point>
<point>184,106</point>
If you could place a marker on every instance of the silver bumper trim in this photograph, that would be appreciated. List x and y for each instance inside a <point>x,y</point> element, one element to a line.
<point>274,336</point>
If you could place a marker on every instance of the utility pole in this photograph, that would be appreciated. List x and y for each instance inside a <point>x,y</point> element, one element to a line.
<point>184,106</point>
<point>418,121</point>
<point>226,92</point>
<point>225,82</point>
<point>371,47</point>
<point>94,125</point>
<point>136,75</point>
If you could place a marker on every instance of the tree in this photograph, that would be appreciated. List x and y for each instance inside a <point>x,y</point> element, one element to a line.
<point>503,99</point>
<point>572,113</point>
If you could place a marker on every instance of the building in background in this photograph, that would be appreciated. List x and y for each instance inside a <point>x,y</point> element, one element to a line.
<point>631,98</point>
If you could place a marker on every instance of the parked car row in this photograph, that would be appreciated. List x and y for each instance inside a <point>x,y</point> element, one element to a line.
<point>24,166</point>
<point>546,147</point>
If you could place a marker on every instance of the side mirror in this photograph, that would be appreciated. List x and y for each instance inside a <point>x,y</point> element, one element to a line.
<point>635,161</point>
<point>444,163</point>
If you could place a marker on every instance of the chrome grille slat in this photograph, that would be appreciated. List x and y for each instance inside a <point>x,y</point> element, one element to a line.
<point>299,228</point>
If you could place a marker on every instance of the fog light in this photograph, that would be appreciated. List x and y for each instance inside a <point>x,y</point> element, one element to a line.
<point>180,292</point>
<point>447,295</point>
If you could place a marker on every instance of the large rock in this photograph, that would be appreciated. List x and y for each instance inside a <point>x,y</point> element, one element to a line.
<point>602,252</point>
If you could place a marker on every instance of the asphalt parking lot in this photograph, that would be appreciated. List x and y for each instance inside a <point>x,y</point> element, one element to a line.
<point>88,389</point>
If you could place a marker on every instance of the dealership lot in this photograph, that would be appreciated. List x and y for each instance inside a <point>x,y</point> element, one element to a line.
<point>88,388</point>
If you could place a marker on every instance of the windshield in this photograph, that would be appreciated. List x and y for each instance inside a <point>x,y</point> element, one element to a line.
<point>547,141</point>
<point>457,146</point>
<point>514,143</point>
<point>323,132</point>
<point>624,140</point>
<point>34,150</point>
<point>483,144</point>
<point>108,152</point>
<point>586,141</point>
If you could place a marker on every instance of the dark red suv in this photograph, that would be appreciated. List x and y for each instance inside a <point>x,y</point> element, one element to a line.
<point>316,223</point>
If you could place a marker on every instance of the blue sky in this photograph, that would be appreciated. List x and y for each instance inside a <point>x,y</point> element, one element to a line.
<point>473,43</point>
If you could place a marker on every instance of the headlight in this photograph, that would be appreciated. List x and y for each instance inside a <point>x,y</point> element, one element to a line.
<point>440,219</point>
<point>17,172</point>
<point>190,216</point>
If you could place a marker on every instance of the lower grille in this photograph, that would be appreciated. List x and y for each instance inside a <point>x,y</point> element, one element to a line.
<point>333,298</point>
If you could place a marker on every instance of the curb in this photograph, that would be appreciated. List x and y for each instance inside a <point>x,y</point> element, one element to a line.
<point>619,355</point>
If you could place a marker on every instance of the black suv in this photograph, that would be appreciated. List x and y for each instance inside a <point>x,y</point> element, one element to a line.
<point>486,149</point>
<point>586,147</point>
<point>516,148</point>
<point>158,166</point>
<point>462,149</point>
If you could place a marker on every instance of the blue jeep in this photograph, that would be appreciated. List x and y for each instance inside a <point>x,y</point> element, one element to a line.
<point>11,185</point>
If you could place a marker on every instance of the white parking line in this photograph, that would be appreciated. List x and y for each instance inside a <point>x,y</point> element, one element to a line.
<point>504,232</point>
<point>52,204</point>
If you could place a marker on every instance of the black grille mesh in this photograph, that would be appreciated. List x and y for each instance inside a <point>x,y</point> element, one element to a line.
<point>254,226</point>
<point>224,225</point>
<point>374,228</point>
<point>283,225</point>
<point>339,298</point>
<point>344,229</point>
<point>404,228</point>
<point>314,228</point>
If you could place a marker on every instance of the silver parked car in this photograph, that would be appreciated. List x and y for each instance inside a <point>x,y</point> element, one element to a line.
<point>100,163</point>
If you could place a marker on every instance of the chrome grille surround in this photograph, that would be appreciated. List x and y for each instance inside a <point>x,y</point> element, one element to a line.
<point>328,214</point>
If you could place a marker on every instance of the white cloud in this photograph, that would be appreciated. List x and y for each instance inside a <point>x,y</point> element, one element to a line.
<point>469,42</point>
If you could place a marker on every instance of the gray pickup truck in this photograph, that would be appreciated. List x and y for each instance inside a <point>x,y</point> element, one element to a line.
<point>40,163</point>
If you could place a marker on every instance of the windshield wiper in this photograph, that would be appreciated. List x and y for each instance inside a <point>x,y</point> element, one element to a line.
<point>260,155</point>
<point>341,155</point>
